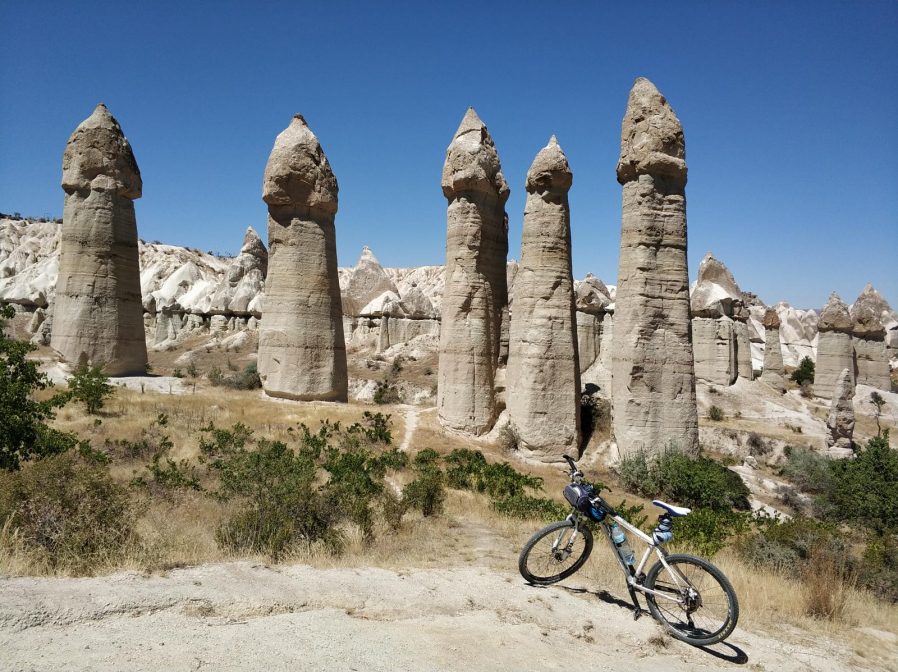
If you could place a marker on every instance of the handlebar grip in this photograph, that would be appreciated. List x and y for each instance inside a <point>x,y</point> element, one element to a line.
<point>570,461</point>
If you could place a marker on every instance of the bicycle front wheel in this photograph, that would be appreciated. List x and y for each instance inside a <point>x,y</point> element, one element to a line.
<point>554,553</point>
<point>696,602</point>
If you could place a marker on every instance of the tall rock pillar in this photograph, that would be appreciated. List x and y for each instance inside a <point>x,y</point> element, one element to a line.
<point>835,351</point>
<point>774,372</point>
<point>653,376</point>
<point>543,389</point>
<point>476,290</point>
<point>98,317</point>
<point>869,334</point>
<point>302,354</point>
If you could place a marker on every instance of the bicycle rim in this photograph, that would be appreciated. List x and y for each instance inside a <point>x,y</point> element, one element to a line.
<point>706,610</point>
<point>551,554</point>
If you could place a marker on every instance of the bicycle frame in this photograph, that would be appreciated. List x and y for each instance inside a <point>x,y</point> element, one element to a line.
<point>634,578</point>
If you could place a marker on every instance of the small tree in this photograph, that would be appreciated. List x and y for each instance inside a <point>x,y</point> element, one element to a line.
<point>24,432</point>
<point>90,385</point>
<point>805,371</point>
<point>878,402</point>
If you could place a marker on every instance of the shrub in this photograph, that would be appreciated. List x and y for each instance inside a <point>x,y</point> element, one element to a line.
<point>784,545</point>
<point>807,469</point>
<point>192,371</point>
<point>356,482</point>
<point>879,570</point>
<point>386,393</point>
<point>804,374</point>
<point>427,492</point>
<point>279,505</point>
<point>215,376</point>
<point>757,446</point>
<point>595,415</point>
<point>691,481</point>
<point>715,413</point>
<point>248,379</point>
<point>68,510</point>
<point>708,530</point>
<point>865,489</point>
<point>527,506</point>
<point>24,430</point>
<point>91,386</point>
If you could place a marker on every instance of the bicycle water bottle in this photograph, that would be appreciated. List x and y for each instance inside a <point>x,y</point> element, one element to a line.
<point>620,540</point>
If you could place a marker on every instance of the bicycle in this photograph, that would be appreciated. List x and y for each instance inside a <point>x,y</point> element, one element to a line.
<point>688,595</point>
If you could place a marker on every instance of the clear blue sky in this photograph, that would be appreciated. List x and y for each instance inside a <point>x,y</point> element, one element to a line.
<point>790,111</point>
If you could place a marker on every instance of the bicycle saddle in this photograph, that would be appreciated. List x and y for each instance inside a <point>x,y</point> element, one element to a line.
<point>671,509</point>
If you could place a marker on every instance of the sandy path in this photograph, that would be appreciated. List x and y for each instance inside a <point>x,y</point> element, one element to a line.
<point>411,424</point>
<point>240,616</point>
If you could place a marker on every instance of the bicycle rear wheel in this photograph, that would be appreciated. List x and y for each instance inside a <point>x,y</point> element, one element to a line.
<point>554,553</point>
<point>702,608</point>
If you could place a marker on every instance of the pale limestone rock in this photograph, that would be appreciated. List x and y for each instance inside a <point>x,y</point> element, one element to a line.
<point>835,350</point>
<point>98,314</point>
<point>840,424</point>
<point>715,300</point>
<point>714,341</point>
<point>366,281</point>
<point>653,375</point>
<point>773,373</point>
<point>245,278</point>
<point>869,334</point>
<point>588,339</point>
<point>743,344</point>
<point>475,293</point>
<point>543,375</point>
<point>302,353</point>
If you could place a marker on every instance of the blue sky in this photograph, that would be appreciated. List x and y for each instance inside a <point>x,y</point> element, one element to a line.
<point>789,110</point>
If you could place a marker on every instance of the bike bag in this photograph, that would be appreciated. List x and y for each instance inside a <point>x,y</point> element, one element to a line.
<point>579,495</point>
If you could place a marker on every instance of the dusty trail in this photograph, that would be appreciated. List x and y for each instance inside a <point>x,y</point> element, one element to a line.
<point>240,616</point>
<point>411,424</point>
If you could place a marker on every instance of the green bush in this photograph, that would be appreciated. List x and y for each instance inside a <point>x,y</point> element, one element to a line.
<point>788,545</point>
<point>804,374</point>
<point>24,432</point>
<point>165,476</point>
<point>697,482</point>
<point>215,376</point>
<point>879,570</point>
<point>386,393</point>
<point>707,530</point>
<point>279,503</point>
<point>68,510</point>
<point>427,492</point>
<point>527,506</point>
<point>865,489</point>
<point>91,386</point>
<point>807,469</point>
<point>715,413</point>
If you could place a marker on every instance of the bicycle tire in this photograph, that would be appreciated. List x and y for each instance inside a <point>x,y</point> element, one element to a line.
<point>534,569</point>
<point>710,604</point>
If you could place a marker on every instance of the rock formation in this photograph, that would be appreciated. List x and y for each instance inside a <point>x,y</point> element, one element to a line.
<point>743,343</point>
<point>653,382</point>
<point>543,376</point>
<point>302,354</point>
<point>476,291</point>
<point>592,301</point>
<point>774,373</point>
<point>715,300</point>
<point>98,316</point>
<point>840,424</point>
<point>835,351</point>
<point>367,281</point>
<point>869,335</point>
<point>245,279</point>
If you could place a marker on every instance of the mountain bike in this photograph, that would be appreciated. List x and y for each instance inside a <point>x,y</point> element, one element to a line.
<point>688,595</point>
